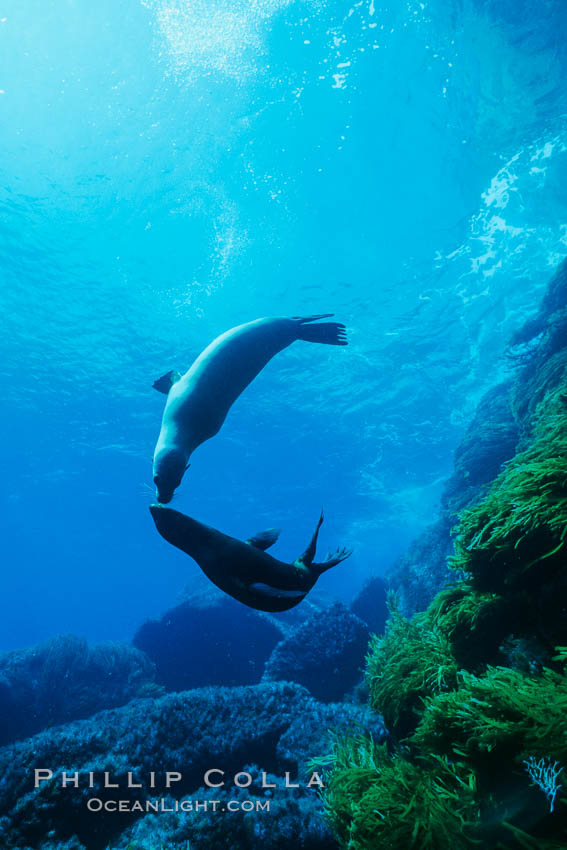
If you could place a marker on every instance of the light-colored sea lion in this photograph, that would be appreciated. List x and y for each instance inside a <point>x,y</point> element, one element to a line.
<point>198,401</point>
<point>243,569</point>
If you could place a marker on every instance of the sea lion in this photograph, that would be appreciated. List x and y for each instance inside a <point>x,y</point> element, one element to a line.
<point>243,569</point>
<point>198,401</point>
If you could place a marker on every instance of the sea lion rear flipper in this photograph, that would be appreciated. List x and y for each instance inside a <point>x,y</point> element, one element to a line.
<point>328,333</point>
<point>309,554</point>
<point>165,383</point>
<point>264,539</point>
<point>332,560</point>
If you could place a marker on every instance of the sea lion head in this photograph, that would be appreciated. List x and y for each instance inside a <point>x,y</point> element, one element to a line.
<point>169,468</point>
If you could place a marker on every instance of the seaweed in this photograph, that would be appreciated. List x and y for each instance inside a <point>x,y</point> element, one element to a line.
<point>474,689</point>
<point>505,714</point>
<point>474,622</point>
<point>372,797</point>
<point>410,662</point>
<point>522,522</point>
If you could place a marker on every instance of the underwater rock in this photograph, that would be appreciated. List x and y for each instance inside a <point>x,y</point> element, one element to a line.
<point>475,687</point>
<point>276,726</point>
<point>503,424</point>
<point>325,654</point>
<point>540,347</point>
<point>490,440</point>
<point>295,822</point>
<point>370,604</point>
<point>64,679</point>
<point>310,733</point>
<point>238,642</point>
<point>422,570</point>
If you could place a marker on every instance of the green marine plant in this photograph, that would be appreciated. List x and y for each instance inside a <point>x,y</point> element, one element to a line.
<point>473,695</point>
<point>522,522</point>
<point>410,662</point>
<point>462,614</point>
<point>503,715</point>
<point>373,799</point>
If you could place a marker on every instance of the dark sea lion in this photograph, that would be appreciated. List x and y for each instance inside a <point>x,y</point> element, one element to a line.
<point>243,569</point>
<point>198,401</point>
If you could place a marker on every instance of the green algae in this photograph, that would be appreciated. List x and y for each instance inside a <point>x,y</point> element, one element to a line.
<point>463,714</point>
<point>410,662</point>
<point>503,713</point>
<point>372,797</point>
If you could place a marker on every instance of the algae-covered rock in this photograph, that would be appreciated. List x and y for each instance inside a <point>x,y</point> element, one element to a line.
<point>411,661</point>
<point>287,819</point>
<point>370,604</point>
<point>374,799</point>
<point>208,640</point>
<point>474,689</point>
<point>504,423</point>
<point>325,654</point>
<point>64,679</point>
<point>275,726</point>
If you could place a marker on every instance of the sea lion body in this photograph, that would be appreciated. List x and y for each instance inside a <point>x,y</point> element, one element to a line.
<point>243,569</point>
<point>198,403</point>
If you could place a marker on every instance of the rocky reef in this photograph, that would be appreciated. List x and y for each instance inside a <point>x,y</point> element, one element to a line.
<point>269,728</point>
<point>371,604</point>
<point>209,639</point>
<point>474,688</point>
<point>503,424</point>
<point>489,442</point>
<point>325,654</point>
<point>65,679</point>
<point>52,701</point>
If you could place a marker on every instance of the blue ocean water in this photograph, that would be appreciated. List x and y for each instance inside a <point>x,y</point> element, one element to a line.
<point>171,169</point>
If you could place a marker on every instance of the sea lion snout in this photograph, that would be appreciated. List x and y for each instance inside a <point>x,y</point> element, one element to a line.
<point>164,495</point>
<point>169,467</point>
<point>164,498</point>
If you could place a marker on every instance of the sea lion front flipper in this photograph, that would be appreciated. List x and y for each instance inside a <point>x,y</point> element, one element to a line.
<point>264,539</point>
<point>276,592</point>
<point>165,383</point>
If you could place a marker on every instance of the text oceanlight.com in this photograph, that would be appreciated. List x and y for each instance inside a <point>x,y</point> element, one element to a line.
<point>95,804</point>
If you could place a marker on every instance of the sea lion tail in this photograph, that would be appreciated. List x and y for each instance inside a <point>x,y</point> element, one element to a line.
<point>331,560</point>
<point>329,333</point>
